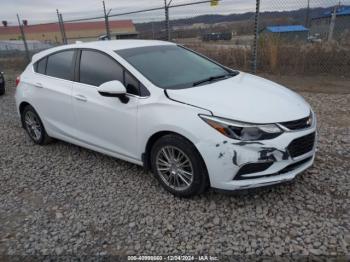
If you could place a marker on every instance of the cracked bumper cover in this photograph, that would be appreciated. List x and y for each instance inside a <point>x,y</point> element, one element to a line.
<point>225,157</point>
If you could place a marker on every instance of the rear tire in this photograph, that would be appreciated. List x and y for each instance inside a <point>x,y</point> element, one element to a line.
<point>178,166</point>
<point>34,126</point>
<point>2,89</point>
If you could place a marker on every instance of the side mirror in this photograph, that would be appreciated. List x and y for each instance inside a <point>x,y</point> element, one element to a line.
<point>113,88</point>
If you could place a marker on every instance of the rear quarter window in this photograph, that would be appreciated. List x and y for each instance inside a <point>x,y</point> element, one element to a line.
<point>40,66</point>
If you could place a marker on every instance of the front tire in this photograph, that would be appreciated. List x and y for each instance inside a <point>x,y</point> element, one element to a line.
<point>178,166</point>
<point>34,126</point>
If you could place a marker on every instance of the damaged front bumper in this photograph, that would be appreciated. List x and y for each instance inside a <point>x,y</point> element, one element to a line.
<point>234,165</point>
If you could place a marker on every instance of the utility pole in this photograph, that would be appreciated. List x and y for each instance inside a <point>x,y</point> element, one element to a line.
<point>153,35</point>
<point>63,30</point>
<point>60,24</point>
<point>108,32</point>
<point>256,37</point>
<point>167,22</point>
<point>307,14</point>
<point>24,39</point>
<point>332,24</point>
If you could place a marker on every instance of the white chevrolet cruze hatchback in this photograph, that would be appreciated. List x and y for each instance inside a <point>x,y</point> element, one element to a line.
<point>192,121</point>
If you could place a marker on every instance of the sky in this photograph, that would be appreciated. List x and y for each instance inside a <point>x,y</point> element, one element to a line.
<point>40,11</point>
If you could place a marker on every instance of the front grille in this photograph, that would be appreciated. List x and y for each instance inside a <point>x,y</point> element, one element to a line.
<point>252,168</point>
<point>301,145</point>
<point>297,124</point>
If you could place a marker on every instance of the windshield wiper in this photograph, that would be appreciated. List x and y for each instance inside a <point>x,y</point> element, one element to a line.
<point>210,79</point>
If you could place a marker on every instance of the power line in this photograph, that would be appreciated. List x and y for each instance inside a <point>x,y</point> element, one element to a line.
<point>138,11</point>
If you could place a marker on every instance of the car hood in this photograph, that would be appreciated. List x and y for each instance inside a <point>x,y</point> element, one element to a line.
<point>246,98</point>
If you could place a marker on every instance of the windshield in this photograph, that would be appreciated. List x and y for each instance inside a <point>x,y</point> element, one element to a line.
<point>173,67</point>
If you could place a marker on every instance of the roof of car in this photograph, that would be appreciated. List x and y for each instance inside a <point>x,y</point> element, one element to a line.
<point>110,45</point>
<point>121,44</point>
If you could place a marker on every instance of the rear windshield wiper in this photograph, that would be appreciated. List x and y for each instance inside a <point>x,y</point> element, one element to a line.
<point>209,79</point>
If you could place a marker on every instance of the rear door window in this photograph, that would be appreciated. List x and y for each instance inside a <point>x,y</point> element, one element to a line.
<point>60,65</point>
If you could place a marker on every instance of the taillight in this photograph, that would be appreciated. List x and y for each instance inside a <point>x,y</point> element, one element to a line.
<point>18,79</point>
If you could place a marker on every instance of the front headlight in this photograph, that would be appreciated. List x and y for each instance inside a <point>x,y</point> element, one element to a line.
<point>242,131</point>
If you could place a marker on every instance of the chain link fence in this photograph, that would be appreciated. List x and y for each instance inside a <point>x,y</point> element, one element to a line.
<point>310,37</point>
<point>226,37</point>
<point>280,37</point>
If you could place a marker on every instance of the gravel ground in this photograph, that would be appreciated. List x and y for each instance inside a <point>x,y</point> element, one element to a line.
<point>61,199</point>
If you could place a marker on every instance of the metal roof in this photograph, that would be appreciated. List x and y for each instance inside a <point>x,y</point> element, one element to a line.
<point>80,26</point>
<point>344,10</point>
<point>286,28</point>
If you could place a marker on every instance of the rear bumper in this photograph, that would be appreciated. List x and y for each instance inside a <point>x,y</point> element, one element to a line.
<point>224,160</point>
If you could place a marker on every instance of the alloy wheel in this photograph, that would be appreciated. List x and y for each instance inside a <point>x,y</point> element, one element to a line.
<point>33,126</point>
<point>174,168</point>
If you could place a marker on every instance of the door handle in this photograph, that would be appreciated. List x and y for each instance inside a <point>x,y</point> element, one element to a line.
<point>80,98</point>
<point>39,85</point>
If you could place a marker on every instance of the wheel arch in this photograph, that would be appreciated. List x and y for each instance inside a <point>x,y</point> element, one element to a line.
<point>21,108</point>
<point>23,105</point>
<point>146,156</point>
